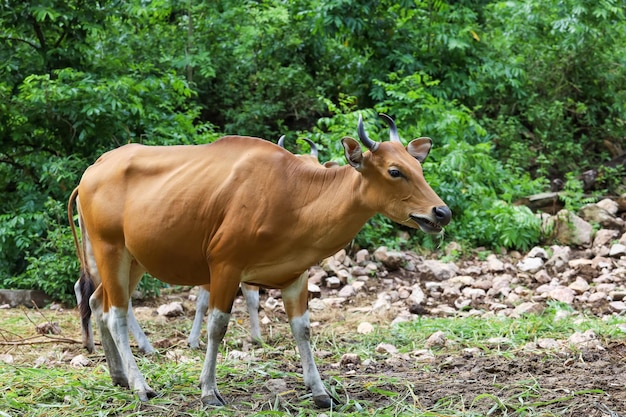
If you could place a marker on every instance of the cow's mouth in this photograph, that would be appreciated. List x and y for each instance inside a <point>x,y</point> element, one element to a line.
<point>425,224</point>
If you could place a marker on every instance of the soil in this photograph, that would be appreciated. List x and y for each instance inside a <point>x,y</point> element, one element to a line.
<point>578,383</point>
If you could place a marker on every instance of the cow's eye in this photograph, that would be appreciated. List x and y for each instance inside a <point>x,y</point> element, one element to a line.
<point>395,173</point>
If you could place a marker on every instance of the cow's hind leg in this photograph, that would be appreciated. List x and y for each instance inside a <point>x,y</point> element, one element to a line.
<point>295,298</point>
<point>202,305</point>
<point>118,282</point>
<point>140,337</point>
<point>113,358</point>
<point>251,294</point>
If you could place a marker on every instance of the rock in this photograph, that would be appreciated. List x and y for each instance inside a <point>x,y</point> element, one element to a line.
<point>317,276</point>
<point>340,256</point>
<point>333,282</point>
<point>597,297</point>
<point>347,291</point>
<point>235,355</point>
<point>392,260</point>
<point>350,359</point>
<point>314,291</point>
<point>559,259</point>
<point>562,294</point>
<point>172,309</point>
<point>276,386</point>
<point>501,285</point>
<point>587,340</point>
<point>330,265</point>
<point>382,303</point>
<point>580,263</point>
<point>546,343</point>
<point>423,355</point>
<point>80,361</point>
<point>617,306</point>
<point>604,236</point>
<point>617,250</point>
<point>436,339</point>
<point>24,297</point>
<point>595,213</point>
<point>432,269</point>
<point>362,256</point>
<point>542,277</point>
<point>526,308</point>
<point>531,265</point>
<point>473,293</point>
<point>344,276</point>
<point>365,328</point>
<point>417,296</point>
<point>569,229</point>
<point>538,252</point>
<point>271,303</point>
<point>618,295</point>
<point>494,264</point>
<point>317,304</point>
<point>386,348</point>
<point>611,207</point>
<point>579,286</point>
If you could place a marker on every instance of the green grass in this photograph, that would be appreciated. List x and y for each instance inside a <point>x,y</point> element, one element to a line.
<point>386,389</point>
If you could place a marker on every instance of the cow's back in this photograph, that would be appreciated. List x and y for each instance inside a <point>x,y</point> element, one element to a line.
<point>166,204</point>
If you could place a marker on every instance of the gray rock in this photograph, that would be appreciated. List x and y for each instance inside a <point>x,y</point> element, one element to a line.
<point>26,298</point>
<point>569,229</point>
<point>597,214</point>
<point>436,270</point>
<point>172,309</point>
<point>617,250</point>
<point>531,265</point>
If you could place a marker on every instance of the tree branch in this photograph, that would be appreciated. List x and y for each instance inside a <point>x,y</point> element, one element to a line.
<point>29,43</point>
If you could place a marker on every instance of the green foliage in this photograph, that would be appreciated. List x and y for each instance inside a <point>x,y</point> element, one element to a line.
<point>44,242</point>
<point>511,93</point>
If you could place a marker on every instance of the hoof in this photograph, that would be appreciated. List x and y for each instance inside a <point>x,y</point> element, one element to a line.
<point>146,395</point>
<point>194,344</point>
<point>214,399</point>
<point>120,381</point>
<point>149,350</point>
<point>323,401</point>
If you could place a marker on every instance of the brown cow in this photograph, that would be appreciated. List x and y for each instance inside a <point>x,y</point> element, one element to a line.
<point>240,209</point>
<point>250,292</point>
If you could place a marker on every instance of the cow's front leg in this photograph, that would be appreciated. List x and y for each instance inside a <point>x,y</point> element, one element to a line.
<point>295,298</point>
<point>216,327</point>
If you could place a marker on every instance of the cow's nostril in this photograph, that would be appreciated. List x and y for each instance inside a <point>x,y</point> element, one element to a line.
<point>442,214</point>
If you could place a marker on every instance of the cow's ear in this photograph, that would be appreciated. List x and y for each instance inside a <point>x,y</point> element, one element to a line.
<point>353,152</point>
<point>419,148</point>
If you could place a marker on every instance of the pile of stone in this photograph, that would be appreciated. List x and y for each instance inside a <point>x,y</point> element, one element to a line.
<point>585,269</point>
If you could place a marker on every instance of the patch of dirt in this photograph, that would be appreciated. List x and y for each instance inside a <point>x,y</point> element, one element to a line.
<point>585,383</point>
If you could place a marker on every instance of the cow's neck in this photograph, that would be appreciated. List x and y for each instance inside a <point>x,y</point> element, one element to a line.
<point>334,199</point>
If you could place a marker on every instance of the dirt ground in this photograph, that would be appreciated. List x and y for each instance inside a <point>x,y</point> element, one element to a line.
<point>584,383</point>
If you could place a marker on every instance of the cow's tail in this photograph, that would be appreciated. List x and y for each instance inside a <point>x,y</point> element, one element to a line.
<point>85,285</point>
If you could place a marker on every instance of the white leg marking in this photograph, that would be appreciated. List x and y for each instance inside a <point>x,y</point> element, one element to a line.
<point>217,325</point>
<point>140,337</point>
<point>252,304</point>
<point>117,323</point>
<point>113,358</point>
<point>301,329</point>
<point>202,305</point>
